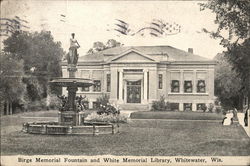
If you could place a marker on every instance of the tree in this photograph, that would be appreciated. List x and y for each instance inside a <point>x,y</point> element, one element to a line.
<point>41,57</point>
<point>12,88</point>
<point>233,16</point>
<point>99,46</point>
<point>227,83</point>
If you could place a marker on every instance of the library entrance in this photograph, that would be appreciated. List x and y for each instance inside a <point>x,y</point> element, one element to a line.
<point>134,91</point>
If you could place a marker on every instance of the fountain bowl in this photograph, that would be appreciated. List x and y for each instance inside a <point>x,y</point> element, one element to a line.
<point>55,128</point>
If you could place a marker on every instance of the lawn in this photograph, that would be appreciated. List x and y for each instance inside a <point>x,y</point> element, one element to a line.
<point>138,137</point>
<point>176,115</point>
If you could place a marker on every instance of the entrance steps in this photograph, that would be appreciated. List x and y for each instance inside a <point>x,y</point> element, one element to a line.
<point>134,107</point>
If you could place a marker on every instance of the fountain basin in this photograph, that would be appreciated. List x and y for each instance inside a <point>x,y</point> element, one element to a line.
<point>54,128</point>
<point>72,82</point>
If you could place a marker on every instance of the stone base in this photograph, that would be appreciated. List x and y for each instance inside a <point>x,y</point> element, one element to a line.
<point>70,118</point>
<point>53,128</point>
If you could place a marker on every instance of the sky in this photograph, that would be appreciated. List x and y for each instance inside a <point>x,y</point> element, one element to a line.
<point>89,20</point>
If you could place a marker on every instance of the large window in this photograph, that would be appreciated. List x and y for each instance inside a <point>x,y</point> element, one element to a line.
<point>201,86</point>
<point>160,81</point>
<point>201,107</point>
<point>97,86</point>
<point>174,106</point>
<point>108,82</point>
<point>175,86</point>
<point>188,88</point>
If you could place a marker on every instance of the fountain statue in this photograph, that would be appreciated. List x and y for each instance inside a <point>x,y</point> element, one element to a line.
<point>71,114</point>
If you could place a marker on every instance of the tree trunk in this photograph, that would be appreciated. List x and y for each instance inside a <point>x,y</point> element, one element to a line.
<point>7,107</point>
<point>2,107</point>
<point>11,108</point>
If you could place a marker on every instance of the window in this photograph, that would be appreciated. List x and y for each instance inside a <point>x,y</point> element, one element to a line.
<point>187,106</point>
<point>108,82</point>
<point>175,86</point>
<point>201,107</point>
<point>188,86</point>
<point>160,81</point>
<point>201,86</point>
<point>97,86</point>
<point>85,89</point>
<point>174,106</point>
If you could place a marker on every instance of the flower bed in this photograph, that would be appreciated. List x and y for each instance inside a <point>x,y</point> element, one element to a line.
<point>109,118</point>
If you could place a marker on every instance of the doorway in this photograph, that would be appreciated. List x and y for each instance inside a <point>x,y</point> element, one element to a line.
<point>134,91</point>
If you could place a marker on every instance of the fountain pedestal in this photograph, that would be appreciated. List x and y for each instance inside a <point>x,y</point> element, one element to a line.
<point>70,116</point>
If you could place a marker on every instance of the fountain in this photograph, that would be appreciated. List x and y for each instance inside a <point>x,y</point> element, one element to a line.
<point>70,120</point>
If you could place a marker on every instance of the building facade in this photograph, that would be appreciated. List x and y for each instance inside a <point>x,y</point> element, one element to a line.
<point>137,76</point>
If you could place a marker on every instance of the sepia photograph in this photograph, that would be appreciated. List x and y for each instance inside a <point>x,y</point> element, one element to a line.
<point>124,82</point>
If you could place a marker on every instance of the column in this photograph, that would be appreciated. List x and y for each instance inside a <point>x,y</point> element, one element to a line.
<point>72,70</point>
<point>181,107</point>
<point>210,84</point>
<point>145,85</point>
<point>153,85</point>
<point>91,88</point>
<point>113,87</point>
<point>91,104</point>
<point>194,82</point>
<point>120,85</point>
<point>194,106</point>
<point>181,82</point>
<point>71,97</point>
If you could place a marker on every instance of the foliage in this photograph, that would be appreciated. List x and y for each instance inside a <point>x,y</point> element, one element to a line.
<point>102,100</point>
<point>54,102</point>
<point>239,56</point>
<point>111,118</point>
<point>36,105</point>
<point>227,82</point>
<point>11,72</point>
<point>104,107</point>
<point>160,105</point>
<point>41,57</point>
<point>99,46</point>
<point>210,107</point>
<point>204,108</point>
<point>109,109</point>
<point>233,16</point>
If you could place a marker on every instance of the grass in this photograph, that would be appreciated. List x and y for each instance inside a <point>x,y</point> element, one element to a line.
<point>138,137</point>
<point>177,115</point>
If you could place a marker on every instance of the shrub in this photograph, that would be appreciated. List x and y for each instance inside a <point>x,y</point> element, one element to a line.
<point>210,107</point>
<point>54,102</point>
<point>204,107</point>
<point>36,105</point>
<point>110,118</point>
<point>161,105</point>
<point>102,101</point>
<point>220,110</point>
<point>108,109</point>
<point>104,107</point>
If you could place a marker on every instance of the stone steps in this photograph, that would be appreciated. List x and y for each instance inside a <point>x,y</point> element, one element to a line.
<point>134,107</point>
